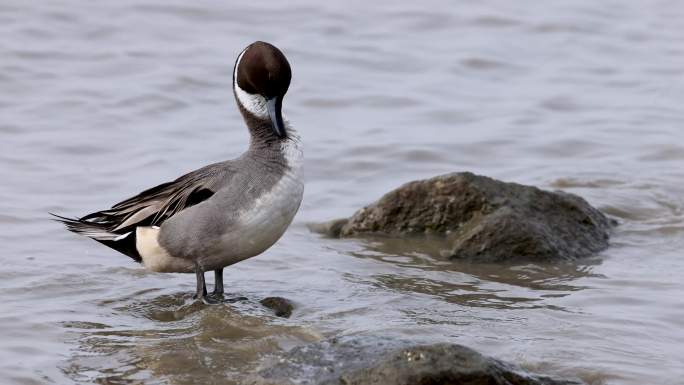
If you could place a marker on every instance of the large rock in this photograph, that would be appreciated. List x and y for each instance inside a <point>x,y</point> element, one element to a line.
<point>378,361</point>
<point>483,219</point>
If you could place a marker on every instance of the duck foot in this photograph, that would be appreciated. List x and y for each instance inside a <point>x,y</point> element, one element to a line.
<point>216,296</point>
<point>215,299</point>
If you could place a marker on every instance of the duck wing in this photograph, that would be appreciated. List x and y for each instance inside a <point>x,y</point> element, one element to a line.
<point>151,207</point>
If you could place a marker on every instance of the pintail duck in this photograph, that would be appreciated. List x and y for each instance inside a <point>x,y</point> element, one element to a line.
<point>225,212</point>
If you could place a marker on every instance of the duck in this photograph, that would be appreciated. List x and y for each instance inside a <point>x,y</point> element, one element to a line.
<point>225,212</point>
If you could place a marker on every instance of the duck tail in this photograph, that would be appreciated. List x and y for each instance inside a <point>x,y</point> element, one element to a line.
<point>94,230</point>
<point>123,243</point>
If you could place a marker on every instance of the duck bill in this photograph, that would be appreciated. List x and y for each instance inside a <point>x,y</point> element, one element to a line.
<point>274,106</point>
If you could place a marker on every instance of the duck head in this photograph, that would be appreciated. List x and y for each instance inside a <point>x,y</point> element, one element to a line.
<point>260,80</point>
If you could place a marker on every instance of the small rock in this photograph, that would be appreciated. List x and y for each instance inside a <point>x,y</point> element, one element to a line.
<point>331,228</point>
<point>281,306</point>
<point>484,220</point>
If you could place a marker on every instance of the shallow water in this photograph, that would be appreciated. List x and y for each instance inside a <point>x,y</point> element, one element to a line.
<point>100,101</point>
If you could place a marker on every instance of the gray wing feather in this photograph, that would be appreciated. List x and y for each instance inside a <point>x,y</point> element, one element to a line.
<point>153,206</point>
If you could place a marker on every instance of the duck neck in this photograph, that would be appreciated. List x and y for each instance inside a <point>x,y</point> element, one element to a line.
<point>262,137</point>
<point>267,148</point>
<point>253,110</point>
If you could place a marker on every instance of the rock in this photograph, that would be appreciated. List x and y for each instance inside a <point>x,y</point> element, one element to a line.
<point>331,228</point>
<point>483,219</point>
<point>377,361</point>
<point>281,306</point>
<point>444,364</point>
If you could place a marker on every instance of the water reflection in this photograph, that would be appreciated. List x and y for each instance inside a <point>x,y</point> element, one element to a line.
<point>183,342</point>
<point>498,286</point>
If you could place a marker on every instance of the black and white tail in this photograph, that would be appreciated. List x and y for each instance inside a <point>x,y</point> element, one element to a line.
<point>117,226</point>
<point>121,242</point>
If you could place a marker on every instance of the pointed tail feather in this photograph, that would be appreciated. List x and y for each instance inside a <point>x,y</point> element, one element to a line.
<point>92,230</point>
<point>123,243</point>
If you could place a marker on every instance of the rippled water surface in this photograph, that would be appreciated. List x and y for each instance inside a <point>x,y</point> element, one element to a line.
<point>101,100</point>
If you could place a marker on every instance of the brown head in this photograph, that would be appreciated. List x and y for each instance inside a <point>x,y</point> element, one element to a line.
<point>260,79</point>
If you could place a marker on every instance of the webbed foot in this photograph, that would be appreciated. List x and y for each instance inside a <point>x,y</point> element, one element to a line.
<point>215,299</point>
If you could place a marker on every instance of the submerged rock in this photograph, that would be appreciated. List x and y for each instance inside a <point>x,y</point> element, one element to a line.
<point>282,307</point>
<point>377,361</point>
<point>483,219</point>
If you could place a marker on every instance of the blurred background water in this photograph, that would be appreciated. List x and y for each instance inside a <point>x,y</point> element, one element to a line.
<point>101,100</point>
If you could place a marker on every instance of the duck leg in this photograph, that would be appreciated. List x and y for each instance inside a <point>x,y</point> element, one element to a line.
<point>201,292</point>
<point>218,283</point>
<point>216,296</point>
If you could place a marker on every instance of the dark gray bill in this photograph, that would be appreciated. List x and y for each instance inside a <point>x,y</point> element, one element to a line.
<point>274,105</point>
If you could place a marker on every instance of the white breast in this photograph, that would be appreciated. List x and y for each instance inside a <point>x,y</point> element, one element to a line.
<point>264,222</point>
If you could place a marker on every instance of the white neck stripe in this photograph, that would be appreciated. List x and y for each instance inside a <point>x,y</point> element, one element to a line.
<point>256,104</point>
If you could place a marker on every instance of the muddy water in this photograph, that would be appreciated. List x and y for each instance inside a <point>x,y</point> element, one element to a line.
<point>98,101</point>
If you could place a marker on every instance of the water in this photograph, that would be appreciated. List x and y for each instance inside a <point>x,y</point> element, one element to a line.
<point>101,100</point>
